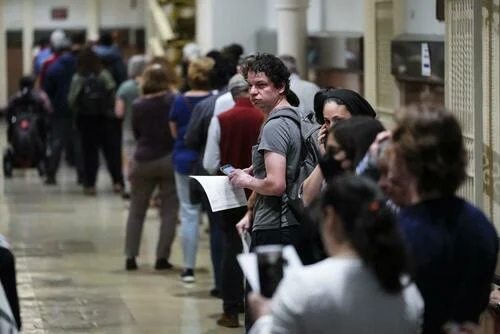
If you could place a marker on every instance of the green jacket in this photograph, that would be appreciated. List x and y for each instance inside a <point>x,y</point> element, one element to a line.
<point>77,84</point>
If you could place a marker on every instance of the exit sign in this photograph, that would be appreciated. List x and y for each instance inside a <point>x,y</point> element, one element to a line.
<point>59,13</point>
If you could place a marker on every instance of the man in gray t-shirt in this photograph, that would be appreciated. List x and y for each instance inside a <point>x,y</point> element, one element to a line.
<point>276,156</point>
<point>282,136</point>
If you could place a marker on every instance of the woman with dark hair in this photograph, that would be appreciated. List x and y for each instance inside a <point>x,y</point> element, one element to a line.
<point>347,143</point>
<point>332,105</point>
<point>345,146</point>
<point>362,287</point>
<point>152,167</point>
<point>335,104</point>
<point>452,243</point>
<point>91,97</point>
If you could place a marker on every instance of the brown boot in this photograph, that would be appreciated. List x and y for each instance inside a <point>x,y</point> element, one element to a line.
<point>228,320</point>
<point>117,188</point>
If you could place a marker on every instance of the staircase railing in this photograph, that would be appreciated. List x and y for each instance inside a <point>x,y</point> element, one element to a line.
<point>159,30</point>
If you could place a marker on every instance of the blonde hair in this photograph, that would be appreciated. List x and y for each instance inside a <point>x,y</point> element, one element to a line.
<point>199,73</point>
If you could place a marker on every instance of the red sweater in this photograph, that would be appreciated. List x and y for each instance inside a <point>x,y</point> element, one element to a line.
<point>46,64</point>
<point>239,131</point>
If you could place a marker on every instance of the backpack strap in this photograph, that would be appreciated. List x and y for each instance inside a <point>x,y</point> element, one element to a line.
<point>290,113</point>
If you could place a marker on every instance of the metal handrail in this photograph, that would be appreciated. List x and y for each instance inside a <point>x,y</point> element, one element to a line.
<point>160,21</point>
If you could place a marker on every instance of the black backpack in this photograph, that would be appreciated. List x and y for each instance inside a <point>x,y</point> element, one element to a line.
<point>94,97</point>
<point>23,123</point>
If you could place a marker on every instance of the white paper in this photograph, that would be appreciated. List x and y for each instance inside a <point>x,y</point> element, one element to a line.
<point>292,259</point>
<point>221,194</point>
<point>248,264</point>
<point>245,241</point>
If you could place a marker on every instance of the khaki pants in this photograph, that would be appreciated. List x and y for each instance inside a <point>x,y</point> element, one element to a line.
<point>144,178</point>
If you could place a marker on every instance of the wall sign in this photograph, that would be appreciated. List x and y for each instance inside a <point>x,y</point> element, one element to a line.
<point>59,13</point>
<point>426,60</point>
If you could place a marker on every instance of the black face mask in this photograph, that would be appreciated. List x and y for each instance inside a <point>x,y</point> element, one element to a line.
<point>330,167</point>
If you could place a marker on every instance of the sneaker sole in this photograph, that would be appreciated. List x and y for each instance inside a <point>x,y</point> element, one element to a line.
<point>188,279</point>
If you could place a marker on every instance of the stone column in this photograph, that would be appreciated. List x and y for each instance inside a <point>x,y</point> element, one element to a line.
<point>149,27</point>
<point>383,21</point>
<point>93,18</point>
<point>3,57</point>
<point>292,31</point>
<point>205,24</point>
<point>28,35</point>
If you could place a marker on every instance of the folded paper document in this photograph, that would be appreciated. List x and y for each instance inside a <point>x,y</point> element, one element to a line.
<point>221,194</point>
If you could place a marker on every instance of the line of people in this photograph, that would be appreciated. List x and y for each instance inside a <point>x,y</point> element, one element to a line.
<point>403,252</point>
<point>174,135</point>
<point>424,254</point>
<point>170,128</point>
<point>395,234</point>
<point>73,91</point>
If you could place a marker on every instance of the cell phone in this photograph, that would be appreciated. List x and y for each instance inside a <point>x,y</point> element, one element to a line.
<point>270,264</point>
<point>227,169</point>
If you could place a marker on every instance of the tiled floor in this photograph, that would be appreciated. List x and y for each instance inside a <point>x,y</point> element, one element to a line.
<point>71,269</point>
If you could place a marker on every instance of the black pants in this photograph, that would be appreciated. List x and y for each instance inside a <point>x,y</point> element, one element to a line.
<point>216,240</point>
<point>232,276</point>
<point>97,135</point>
<point>280,236</point>
<point>61,131</point>
<point>114,133</point>
<point>78,156</point>
<point>8,280</point>
<point>289,235</point>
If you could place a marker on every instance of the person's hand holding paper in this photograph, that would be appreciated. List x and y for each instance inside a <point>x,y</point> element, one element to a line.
<point>221,194</point>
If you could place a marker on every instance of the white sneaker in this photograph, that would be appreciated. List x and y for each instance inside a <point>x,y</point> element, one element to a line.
<point>187,276</point>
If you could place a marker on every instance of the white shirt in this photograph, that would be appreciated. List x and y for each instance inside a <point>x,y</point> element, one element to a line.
<point>305,90</point>
<point>3,242</point>
<point>340,295</point>
<point>211,158</point>
<point>223,103</point>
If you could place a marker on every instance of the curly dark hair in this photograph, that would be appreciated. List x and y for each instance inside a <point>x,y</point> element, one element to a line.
<point>429,140</point>
<point>272,67</point>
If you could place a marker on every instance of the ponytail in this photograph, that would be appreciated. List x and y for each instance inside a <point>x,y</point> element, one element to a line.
<point>378,242</point>
<point>370,226</point>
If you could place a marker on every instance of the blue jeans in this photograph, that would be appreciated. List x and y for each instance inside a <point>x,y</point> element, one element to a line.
<point>190,221</point>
